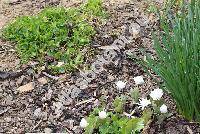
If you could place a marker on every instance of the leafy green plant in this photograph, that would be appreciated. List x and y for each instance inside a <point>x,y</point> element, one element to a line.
<point>115,122</point>
<point>178,60</point>
<point>94,7</point>
<point>58,33</point>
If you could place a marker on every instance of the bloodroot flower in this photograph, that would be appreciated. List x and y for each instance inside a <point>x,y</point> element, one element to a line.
<point>144,103</point>
<point>102,115</point>
<point>83,123</point>
<point>163,109</point>
<point>120,85</point>
<point>156,94</point>
<point>138,80</point>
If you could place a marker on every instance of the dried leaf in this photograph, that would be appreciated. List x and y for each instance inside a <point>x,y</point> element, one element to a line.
<point>26,88</point>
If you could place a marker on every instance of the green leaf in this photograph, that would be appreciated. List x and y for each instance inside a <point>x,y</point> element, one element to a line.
<point>135,94</point>
<point>134,125</point>
<point>119,104</point>
<point>92,120</point>
<point>146,115</point>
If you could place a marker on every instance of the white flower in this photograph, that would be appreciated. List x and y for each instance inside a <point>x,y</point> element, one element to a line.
<point>102,115</point>
<point>138,80</point>
<point>120,85</point>
<point>156,94</point>
<point>143,103</point>
<point>83,123</point>
<point>163,109</point>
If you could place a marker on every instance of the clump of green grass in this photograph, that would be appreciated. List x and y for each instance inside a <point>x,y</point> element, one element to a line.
<point>178,60</point>
<point>55,32</point>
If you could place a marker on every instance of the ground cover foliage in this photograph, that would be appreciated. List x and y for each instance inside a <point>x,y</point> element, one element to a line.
<point>114,121</point>
<point>58,33</point>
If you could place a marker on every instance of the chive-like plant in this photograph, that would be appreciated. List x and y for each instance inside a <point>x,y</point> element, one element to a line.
<point>178,60</point>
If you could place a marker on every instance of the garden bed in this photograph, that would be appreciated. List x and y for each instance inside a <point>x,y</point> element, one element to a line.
<point>39,107</point>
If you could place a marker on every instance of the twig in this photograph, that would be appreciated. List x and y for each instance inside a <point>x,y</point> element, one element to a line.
<point>50,76</point>
<point>36,125</point>
<point>86,101</point>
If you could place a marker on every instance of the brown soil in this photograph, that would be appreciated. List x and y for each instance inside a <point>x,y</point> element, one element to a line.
<point>40,109</point>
